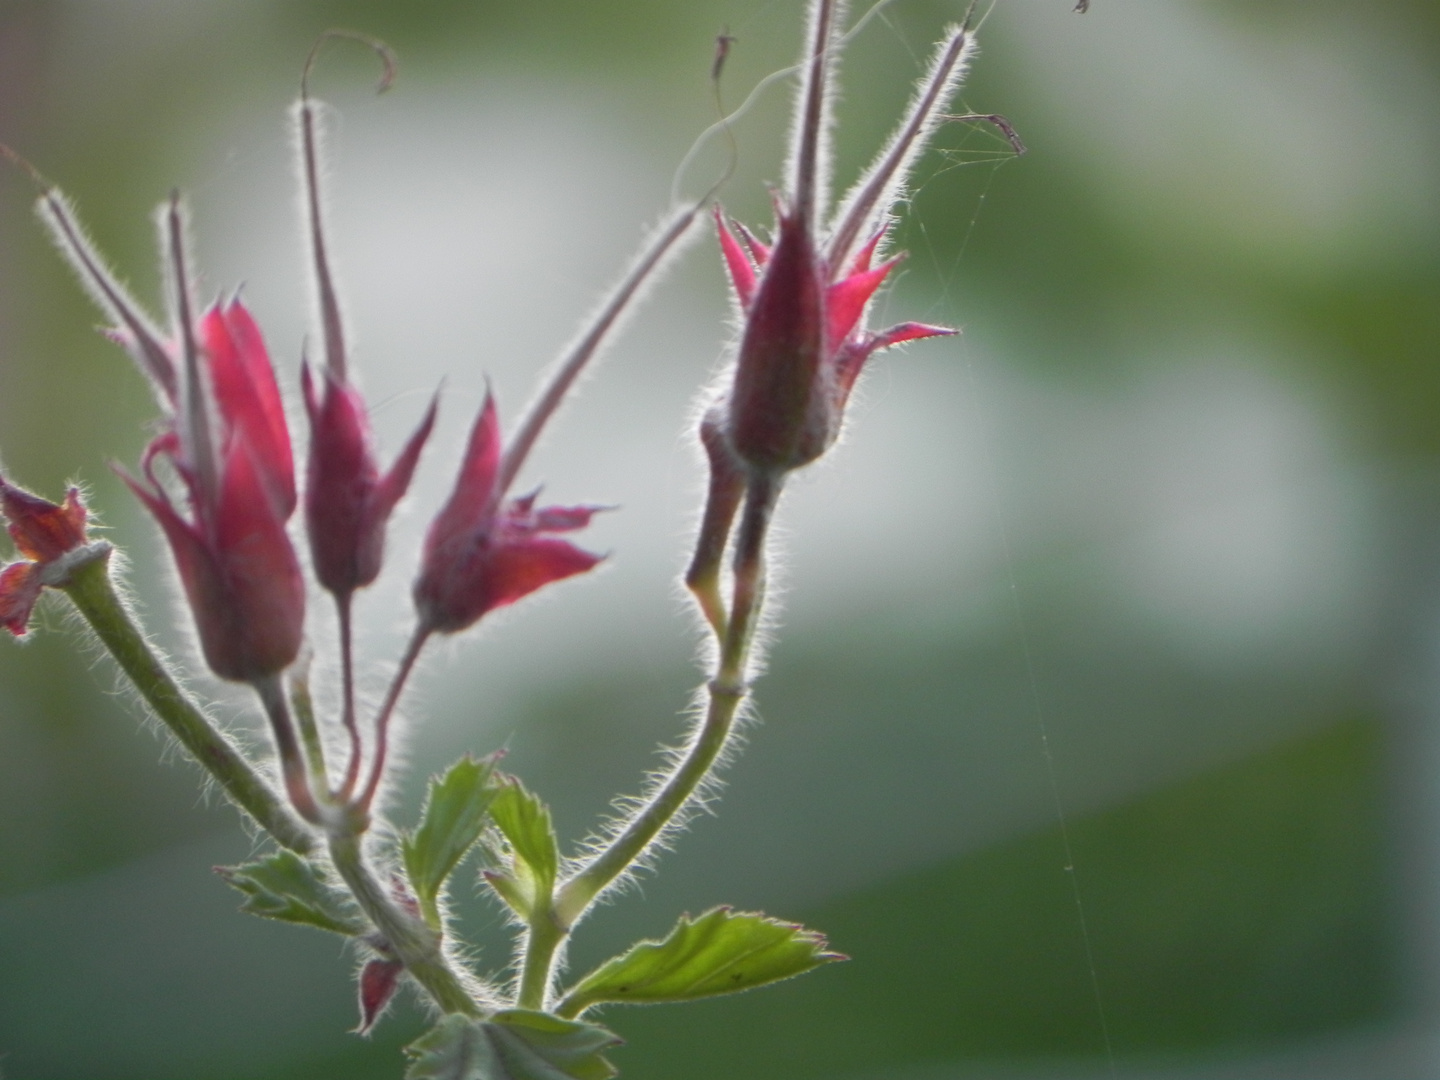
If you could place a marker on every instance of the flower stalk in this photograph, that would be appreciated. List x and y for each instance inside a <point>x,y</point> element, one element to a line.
<point>93,594</point>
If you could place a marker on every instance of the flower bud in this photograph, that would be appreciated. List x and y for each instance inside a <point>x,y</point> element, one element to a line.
<point>240,572</point>
<point>347,501</point>
<point>780,413</point>
<point>482,551</point>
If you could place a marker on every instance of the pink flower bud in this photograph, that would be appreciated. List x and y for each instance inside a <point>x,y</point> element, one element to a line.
<point>482,551</point>
<point>780,417</point>
<point>240,572</point>
<point>347,501</point>
<point>42,532</point>
<point>802,348</point>
<point>804,342</point>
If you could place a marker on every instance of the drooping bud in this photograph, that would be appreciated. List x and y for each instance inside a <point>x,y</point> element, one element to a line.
<point>240,572</point>
<point>347,501</point>
<point>379,979</point>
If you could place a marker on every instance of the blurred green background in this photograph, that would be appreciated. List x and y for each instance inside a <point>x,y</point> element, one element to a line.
<point>1153,545</point>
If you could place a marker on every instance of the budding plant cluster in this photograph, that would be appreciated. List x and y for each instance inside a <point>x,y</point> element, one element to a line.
<point>220,480</point>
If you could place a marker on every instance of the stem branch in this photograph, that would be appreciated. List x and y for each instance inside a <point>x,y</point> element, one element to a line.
<point>414,944</point>
<point>727,690</point>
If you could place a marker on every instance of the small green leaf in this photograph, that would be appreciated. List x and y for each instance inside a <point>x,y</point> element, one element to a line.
<point>511,1045</point>
<point>721,952</point>
<point>451,823</point>
<point>524,821</point>
<point>454,1049</point>
<point>286,887</point>
<point>531,1043</point>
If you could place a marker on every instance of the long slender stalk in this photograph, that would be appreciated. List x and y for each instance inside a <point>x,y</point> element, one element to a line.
<point>347,678</point>
<point>93,594</point>
<point>726,690</point>
<point>584,350</point>
<point>387,710</point>
<point>908,141</point>
<point>293,768</point>
<point>303,707</point>
<point>413,943</point>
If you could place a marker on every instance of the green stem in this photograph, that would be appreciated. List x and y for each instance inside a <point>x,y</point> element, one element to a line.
<point>546,936</point>
<point>303,707</point>
<point>93,594</point>
<point>414,944</point>
<point>727,689</point>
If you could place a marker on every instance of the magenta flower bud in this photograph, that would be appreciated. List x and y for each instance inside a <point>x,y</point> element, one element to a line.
<point>802,348</point>
<point>240,572</point>
<point>43,532</point>
<point>780,417</point>
<point>347,501</point>
<point>483,551</point>
<point>804,342</point>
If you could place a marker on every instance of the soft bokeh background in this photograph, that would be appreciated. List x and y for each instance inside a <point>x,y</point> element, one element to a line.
<point>1155,544</point>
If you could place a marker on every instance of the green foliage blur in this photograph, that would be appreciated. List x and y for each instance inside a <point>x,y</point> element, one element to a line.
<point>1102,722</point>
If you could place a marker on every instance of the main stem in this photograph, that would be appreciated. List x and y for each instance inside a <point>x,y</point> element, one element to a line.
<point>413,943</point>
<point>93,594</point>
<point>727,690</point>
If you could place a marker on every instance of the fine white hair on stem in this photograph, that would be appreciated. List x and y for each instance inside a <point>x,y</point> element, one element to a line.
<point>867,205</point>
<point>628,807</point>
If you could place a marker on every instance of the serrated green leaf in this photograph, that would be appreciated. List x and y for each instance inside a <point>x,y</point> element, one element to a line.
<point>286,887</point>
<point>454,1049</point>
<point>721,952</point>
<point>511,1045</point>
<point>452,821</point>
<point>528,1040</point>
<point>524,821</point>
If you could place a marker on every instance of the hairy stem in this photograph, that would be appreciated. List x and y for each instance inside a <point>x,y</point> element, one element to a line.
<point>347,680</point>
<point>303,706</point>
<point>387,710</point>
<point>727,488</point>
<point>544,940</point>
<point>413,943</point>
<point>293,769</point>
<point>727,689</point>
<point>93,594</point>
<point>584,350</point>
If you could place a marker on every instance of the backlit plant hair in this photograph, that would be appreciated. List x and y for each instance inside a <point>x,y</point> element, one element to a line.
<point>220,479</point>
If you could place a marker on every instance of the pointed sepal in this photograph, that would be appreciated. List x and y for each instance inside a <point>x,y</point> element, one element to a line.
<point>379,979</point>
